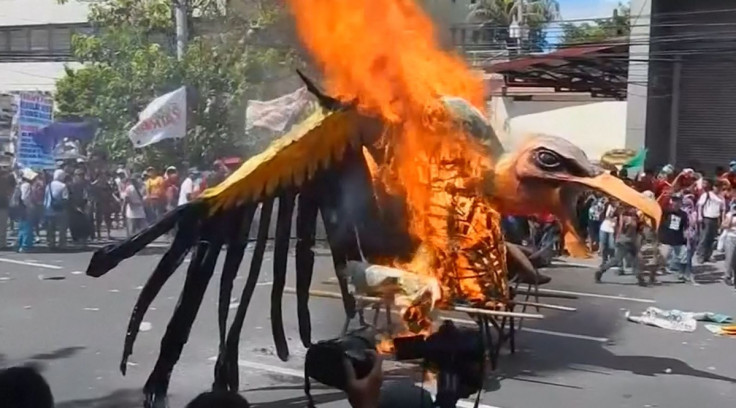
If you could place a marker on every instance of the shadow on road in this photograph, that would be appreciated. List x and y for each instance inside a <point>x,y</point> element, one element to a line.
<point>65,352</point>
<point>127,398</point>
<point>534,361</point>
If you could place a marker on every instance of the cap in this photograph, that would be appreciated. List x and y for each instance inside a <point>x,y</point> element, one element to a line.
<point>171,169</point>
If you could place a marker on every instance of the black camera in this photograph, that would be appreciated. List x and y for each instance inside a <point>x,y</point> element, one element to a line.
<point>457,355</point>
<point>324,360</point>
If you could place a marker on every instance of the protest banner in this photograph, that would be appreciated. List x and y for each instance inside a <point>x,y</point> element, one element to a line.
<point>164,118</point>
<point>278,113</point>
<point>35,111</point>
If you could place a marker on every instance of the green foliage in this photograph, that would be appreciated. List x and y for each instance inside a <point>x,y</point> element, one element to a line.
<point>537,13</point>
<point>130,60</point>
<point>618,25</point>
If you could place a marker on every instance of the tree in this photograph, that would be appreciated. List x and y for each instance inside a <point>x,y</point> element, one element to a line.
<point>537,14</point>
<point>130,59</point>
<point>504,12</point>
<point>602,29</point>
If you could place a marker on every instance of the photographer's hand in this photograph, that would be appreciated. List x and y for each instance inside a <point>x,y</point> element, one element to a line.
<point>364,392</point>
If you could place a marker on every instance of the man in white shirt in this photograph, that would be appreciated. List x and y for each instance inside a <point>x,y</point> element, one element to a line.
<point>607,231</point>
<point>711,207</point>
<point>189,188</point>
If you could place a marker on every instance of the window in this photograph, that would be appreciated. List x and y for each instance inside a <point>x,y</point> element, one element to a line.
<point>61,39</point>
<point>4,38</point>
<point>39,39</point>
<point>19,40</point>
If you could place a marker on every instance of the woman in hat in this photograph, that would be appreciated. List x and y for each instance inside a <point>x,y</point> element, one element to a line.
<point>25,201</point>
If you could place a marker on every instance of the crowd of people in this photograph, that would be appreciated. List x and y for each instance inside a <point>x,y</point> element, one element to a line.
<point>699,220</point>
<point>76,200</point>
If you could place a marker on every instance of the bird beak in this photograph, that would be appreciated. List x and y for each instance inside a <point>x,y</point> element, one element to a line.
<point>617,189</point>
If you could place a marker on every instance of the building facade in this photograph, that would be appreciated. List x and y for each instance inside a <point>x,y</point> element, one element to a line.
<point>35,41</point>
<point>682,91</point>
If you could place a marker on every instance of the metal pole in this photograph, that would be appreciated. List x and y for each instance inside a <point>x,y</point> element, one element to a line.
<point>182,31</point>
<point>675,109</point>
<point>520,12</point>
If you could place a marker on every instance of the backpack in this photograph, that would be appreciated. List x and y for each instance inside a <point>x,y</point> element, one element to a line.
<point>595,213</point>
<point>56,204</point>
<point>17,209</point>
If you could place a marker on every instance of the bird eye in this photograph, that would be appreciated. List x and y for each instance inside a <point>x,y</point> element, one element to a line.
<point>548,160</point>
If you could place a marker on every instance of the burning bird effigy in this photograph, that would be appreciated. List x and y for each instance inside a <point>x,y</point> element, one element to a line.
<point>402,167</point>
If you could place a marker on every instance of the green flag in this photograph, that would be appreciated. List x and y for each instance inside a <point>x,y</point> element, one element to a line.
<point>637,161</point>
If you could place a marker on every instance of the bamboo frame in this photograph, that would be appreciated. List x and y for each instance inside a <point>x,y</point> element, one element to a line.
<point>452,308</point>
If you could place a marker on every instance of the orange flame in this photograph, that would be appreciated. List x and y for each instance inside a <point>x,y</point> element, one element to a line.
<point>383,55</point>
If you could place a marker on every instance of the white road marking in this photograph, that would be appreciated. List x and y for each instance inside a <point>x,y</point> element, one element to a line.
<point>300,374</point>
<point>596,295</point>
<point>540,331</point>
<point>34,264</point>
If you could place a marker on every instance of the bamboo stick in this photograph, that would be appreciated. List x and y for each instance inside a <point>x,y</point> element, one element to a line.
<point>545,306</point>
<point>520,303</point>
<point>451,308</point>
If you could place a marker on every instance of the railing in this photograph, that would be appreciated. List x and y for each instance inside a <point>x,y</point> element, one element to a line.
<point>483,44</point>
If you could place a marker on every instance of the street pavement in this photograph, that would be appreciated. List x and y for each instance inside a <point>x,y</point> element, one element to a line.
<point>72,327</point>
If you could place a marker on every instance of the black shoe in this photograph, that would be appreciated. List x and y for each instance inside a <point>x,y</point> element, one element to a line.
<point>598,275</point>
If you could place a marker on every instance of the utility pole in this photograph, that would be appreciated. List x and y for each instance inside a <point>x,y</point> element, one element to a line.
<point>182,31</point>
<point>520,12</point>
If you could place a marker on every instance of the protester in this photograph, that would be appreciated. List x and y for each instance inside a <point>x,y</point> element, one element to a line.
<point>172,188</point>
<point>80,225</point>
<point>607,230</point>
<point>56,204</point>
<point>729,226</point>
<point>191,187</point>
<point>154,194</point>
<point>691,232</point>
<point>627,231</point>
<point>672,237</point>
<point>103,202</point>
<point>595,219</point>
<point>219,174</point>
<point>135,212</point>
<point>711,208</point>
<point>7,186</point>
<point>37,191</point>
<point>24,204</point>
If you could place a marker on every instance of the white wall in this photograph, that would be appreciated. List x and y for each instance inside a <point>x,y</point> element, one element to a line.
<point>594,126</point>
<point>30,12</point>
<point>31,76</point>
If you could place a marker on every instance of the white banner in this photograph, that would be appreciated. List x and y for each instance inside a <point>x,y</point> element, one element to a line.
<point>164,118</point>
<point>278,113</point>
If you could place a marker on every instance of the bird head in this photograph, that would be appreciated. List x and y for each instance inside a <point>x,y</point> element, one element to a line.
<point>547,174</point>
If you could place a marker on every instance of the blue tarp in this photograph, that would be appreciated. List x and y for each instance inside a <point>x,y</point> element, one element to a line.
<point>53,134</point>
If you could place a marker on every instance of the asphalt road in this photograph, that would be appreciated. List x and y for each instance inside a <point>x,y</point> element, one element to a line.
<point>72,327</point>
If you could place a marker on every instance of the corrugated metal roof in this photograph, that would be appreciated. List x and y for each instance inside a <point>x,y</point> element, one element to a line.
<point>556,58</point>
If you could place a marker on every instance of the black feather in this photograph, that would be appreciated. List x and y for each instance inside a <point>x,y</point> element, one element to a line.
<point>166,267</point>
<point>280,262</point>
<point>199,274</point>
<point>306,226</point>
<point>227,362</point>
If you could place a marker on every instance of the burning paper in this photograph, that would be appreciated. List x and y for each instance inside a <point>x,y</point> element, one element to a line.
<point>405,288</point>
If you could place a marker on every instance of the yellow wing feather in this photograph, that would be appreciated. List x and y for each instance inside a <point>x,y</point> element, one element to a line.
<point>289,160</point>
